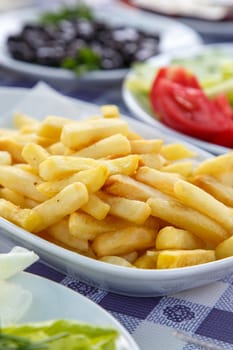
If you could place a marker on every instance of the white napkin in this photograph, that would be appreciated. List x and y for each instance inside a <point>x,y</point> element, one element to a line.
<point>49,102</point>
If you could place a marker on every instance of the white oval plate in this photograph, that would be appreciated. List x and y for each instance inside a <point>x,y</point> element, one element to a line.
<point>174,35</point>
<point>147,116</point>
<point>46,305</point>
<point>117,279</point>
<point>212,28</point>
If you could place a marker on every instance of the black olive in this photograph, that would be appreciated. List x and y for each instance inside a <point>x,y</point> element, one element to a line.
<point>20,50</point>
<point>50,56</point>
<point>85,30</point>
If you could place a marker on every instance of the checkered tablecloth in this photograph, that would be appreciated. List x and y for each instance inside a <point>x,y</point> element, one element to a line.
<point>204,314</point>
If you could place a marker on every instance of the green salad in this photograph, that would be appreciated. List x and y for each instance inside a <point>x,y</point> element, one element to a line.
<point>213,68</point>
<point>58,335</point>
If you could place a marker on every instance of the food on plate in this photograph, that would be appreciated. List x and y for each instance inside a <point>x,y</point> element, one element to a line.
<point>146,204</point>
<point>14,299</point>
<point>201,10</point>
<point>58,334</point>
<point>192,95</point>
<point>73,38</point>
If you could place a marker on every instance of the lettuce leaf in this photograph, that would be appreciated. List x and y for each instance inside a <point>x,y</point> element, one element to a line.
<point>59,335</point>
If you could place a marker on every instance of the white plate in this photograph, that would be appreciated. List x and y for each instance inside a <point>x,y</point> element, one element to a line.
<point>47,305</point>
<point>147,116</point>
<point>215,28</point>
<point>173,35</point>
<point>110,277</point>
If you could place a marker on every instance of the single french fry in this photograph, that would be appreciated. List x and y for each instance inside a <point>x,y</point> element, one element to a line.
<point>146,146</point>
<point>124,241</point>
<point>29,129</point>
<point>30,203</point>
<point>57,148</point>
<point>130,257</point>
<point>93,178</point>
<point>168,259</point>
<point>185,169</point>
<point>26,167</point>
<point>20,120</point>
<point>128,209</point>
<point>216,165</point>
<point>110,111</point>
<point>146,261</point>
<point>176,151</point>
<point>10,145</point>
<point>21,181</point>
<point>70,199</point>
<point>171,237</point>
<point>82,134</point>
<point>224,249</point>
<point>51,127</point>
<point>116,260</point>
<point>12,196</point>
<point>84,226</point>
<point>181,216</point>
<point>58,167</point>
<point>124,165</point>
<point>152,160</point>
<point>113,146</point>
<point>34,154</point>
<point>205,203</point>
<point>96,207</point>
<point>217,189</point>
<point>132,135</point>
<point>60,231</point>
<point>24,218</point>
<point>158,179</point>
<point>125,186</point>
<point>5,158</point>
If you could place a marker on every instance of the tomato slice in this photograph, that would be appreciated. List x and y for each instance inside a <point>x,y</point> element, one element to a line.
<point>178,99</point>
<point>222,104</point>
<point>188,110</point>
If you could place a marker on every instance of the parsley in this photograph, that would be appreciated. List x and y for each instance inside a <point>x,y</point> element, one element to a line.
<point>85,60</point>
<point>67,13</point>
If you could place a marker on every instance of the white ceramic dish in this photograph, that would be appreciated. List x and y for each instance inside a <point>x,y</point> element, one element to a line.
<point>47,305</point>
<point>213,29</point>
<point>110,277</point>
<point>173,35</point>
<point>146,116</point>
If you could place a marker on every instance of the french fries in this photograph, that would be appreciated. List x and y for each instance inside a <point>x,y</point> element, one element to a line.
<point>100,189</point>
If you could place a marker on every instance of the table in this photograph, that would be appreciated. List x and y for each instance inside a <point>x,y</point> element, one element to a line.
<point>205,314</point>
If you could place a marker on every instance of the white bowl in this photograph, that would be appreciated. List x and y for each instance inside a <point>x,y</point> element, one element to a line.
<point>117,279</point>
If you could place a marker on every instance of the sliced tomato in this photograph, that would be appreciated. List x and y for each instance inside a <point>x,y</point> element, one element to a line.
<point>187,110</point>
<point>222,104</point>
<point>224,137</point>
<point>183,77</point>
<point>182,105</point>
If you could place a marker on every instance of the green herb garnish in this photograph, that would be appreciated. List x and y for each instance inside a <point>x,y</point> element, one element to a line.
<point>85,60</point>
<point>13,342</point>
<point>67,13</point>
